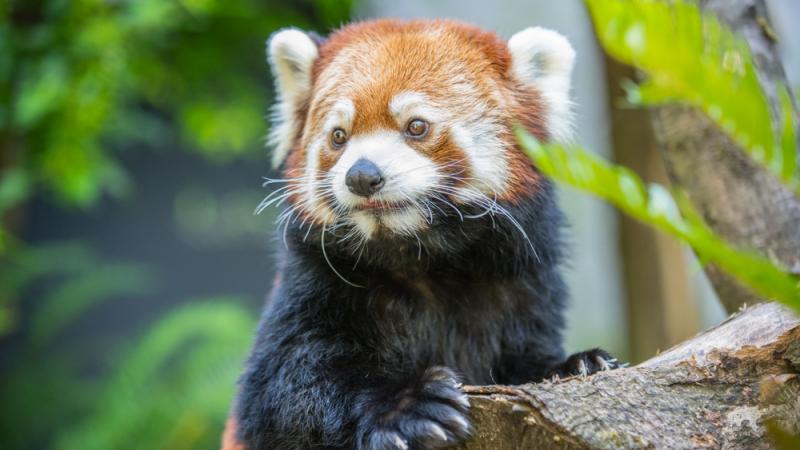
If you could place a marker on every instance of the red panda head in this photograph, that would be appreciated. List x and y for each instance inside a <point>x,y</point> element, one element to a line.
<point>385,121</point>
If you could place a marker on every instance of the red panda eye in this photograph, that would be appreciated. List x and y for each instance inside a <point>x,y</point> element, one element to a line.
<point>338,137</point>
<point>417,128</point>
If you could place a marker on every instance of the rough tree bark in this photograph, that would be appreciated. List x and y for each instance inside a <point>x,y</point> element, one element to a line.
<point>716,390</point>
<point>739,199</point>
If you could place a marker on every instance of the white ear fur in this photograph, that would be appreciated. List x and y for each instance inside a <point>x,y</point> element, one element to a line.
<point>290,53</point>
<point>544,59</point>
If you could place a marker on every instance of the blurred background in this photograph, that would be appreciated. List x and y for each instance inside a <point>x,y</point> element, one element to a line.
<point>132,267</point>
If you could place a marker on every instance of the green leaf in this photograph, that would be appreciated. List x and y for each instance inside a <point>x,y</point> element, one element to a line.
<point>657,207</point>
<point>224,130</point>
<point>80,172</point>
<point>42,90</point>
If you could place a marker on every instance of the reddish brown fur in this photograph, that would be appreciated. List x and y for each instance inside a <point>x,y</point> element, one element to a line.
<point>229,440</point>
<point>371,62</point>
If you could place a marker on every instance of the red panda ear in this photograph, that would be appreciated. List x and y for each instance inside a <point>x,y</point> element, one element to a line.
<point>290,53</point>
<point>544,59</point>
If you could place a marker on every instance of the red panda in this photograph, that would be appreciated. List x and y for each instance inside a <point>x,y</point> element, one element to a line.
<point>422,247</point>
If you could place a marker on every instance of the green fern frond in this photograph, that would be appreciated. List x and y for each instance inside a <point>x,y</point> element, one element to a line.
<point>69,289</point>
<point>690,57</point>
<point>69,300</point>
<point>654,205</point>
<point>173,390</point>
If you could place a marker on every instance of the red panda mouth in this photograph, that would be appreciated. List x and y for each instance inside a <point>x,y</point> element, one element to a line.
<point>380,206</point>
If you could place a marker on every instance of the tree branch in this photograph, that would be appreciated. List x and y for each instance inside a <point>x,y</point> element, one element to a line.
<point>716,390</point>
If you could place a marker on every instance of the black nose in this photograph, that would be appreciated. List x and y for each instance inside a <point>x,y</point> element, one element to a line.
<point>364,178</point>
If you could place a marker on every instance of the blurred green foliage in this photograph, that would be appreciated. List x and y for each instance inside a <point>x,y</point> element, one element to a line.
<point>83,79</point>
<point>169,389</point>
<point>691,58</point>
<point>85,281</point>
<point>173,390</point>
<point>81,82</point>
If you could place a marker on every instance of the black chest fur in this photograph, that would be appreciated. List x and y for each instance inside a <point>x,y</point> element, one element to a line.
<point>422,321</point>
<point>466,295</point>
<point>346,330</point>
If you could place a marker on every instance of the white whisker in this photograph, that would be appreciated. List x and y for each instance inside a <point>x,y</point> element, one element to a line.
<point>325,255</point>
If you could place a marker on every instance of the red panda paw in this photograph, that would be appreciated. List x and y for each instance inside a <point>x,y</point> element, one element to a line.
<point>584,364</point>
<point>432,417</point>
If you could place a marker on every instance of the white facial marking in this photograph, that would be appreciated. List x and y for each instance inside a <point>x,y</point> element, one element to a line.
<point>409,105</point>
<point>476,134</point>
<point>479,139</point>
<point>365,221</point>
<point>404,221</point>
<point>408,174</point>
<point>341,116</point>
<point>310,193</point>
<point>544,59</point>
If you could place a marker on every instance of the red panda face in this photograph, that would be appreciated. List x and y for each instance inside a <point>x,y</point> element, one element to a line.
<point>387,124</point>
